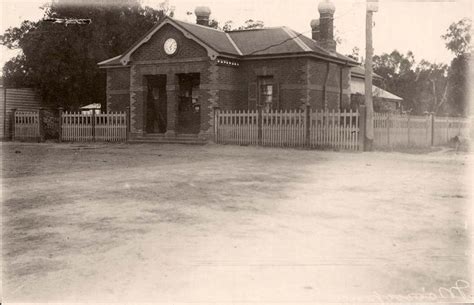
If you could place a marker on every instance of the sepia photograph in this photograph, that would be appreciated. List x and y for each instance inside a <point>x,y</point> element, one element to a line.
<point>236,152</point>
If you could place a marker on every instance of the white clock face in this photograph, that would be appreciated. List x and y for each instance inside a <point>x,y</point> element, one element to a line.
<point>170,46</point>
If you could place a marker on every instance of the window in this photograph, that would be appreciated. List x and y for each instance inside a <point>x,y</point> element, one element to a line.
<point>266,93</point>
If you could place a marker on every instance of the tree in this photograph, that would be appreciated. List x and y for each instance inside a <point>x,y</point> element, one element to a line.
<point>229,25</point>
<point>458,37</point>
<point>398,75</point>
<point>422,86</point>
<point>458,41</point>
<point>61,61</point>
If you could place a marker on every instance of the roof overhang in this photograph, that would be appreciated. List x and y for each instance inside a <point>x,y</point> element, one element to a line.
<point>299,55</point>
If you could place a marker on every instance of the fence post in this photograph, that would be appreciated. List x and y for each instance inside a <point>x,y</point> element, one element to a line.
<point>127,122</point>
<point>13,123</point>
<point>362,124</point>
<point>432,122</point>
<point>259,123</point>
<point>388,128</point>
<point>60,125</point>
<point>408,129</point>
<point>307,124</point>
<point>40,123</point>
<point>216,123</point>
<point>93,125</point>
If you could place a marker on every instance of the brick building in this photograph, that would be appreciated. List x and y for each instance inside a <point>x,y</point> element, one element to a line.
<point>178,73</point>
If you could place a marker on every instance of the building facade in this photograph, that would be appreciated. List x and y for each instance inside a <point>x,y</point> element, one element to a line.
<point>175,77</point>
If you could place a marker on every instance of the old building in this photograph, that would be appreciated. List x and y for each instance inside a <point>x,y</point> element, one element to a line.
<point>178,73</point>
<point>384,101</point>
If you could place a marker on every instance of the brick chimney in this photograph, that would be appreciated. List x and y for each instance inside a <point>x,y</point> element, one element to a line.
<point>202,15</point>
<point>326,25</point>
<point>315,30</point>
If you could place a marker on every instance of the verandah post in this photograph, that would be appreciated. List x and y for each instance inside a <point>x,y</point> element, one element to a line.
<point>362,122</point>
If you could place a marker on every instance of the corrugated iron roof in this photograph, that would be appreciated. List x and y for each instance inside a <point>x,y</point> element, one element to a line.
<point>358,87</point>
<point>244,43</point>
<point>214,38</point>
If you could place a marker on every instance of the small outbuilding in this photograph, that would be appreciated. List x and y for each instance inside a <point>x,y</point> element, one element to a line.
<point>384,101</point>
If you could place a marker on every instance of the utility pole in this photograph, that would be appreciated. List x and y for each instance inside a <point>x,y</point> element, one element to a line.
<point>372,6</point>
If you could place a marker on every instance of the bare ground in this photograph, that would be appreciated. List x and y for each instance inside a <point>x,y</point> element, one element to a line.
<point>174,223</point>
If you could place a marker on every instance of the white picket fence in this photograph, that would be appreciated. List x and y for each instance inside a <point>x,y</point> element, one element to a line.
<point>26,126</point>
<point>288,128</point>
<point>284,128</point>
<point>335,129</point>
<point>397,130</point>
<point>237,127</point>
<point>109,127</point>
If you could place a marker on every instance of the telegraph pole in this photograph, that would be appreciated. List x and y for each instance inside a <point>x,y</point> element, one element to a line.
<point>372,6</point>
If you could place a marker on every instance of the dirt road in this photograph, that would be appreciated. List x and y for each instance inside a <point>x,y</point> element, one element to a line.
<point>172,223</point>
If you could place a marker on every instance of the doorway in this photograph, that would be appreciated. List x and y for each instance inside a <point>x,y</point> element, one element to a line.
<point>189,107</point>
<point>156,104</point>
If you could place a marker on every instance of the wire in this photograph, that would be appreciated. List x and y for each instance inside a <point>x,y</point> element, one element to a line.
<point>277,44</point>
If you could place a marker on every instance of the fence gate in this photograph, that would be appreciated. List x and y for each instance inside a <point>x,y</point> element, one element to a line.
<point>26,126</point>
<point>110,127</point>
<point>288,128</point>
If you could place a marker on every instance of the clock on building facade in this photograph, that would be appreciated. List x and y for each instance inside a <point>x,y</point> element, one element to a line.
<point>170,46</point>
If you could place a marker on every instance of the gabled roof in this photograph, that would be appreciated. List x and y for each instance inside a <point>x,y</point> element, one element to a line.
<point>242,44</point>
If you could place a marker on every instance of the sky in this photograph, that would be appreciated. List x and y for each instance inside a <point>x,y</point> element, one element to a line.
<point>405,25</point>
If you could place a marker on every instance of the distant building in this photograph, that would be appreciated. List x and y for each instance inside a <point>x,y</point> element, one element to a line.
<point>383,100</point>
<point>21,99</point>
<point>88,108</point>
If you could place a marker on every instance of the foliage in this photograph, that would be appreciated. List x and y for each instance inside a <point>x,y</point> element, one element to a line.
<point>458,93</point>
<point>229,25</point>
<point>458,37</point>
<point>61,61</point>
<point>422,86</point>
<point>458,41</point>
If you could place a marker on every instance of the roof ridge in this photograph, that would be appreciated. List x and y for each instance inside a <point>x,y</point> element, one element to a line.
<point>256,29</point>
<point>198,25</point>
<point>233,44</point>
<point>295,37</point>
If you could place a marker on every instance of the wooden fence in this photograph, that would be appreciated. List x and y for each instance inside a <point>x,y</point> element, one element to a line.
<point>109,127</point>
<point>446,128</point>
<point>26,126</point>
<point>396,130</point>
<point>289,128</point>
<point>334,129</point>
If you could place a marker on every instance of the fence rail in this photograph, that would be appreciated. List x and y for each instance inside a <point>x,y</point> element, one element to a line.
<point>289,128</point>
<point>396,130</point>
<point>26,126</point>
<point>109,127</point>
<point>331,129</point>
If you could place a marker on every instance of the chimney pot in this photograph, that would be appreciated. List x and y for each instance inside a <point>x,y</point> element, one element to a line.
<point>315,30</point>
<point>326,25</point>
<point>202,15</point>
